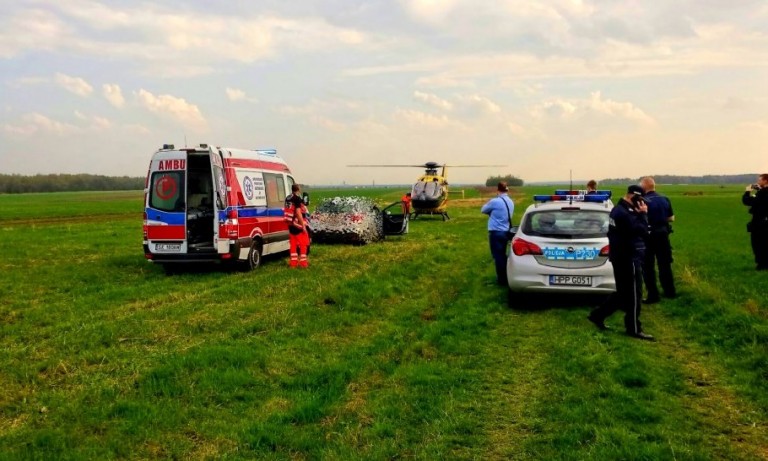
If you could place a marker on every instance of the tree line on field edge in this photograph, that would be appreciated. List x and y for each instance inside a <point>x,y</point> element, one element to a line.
<point>16,184</point>
<point>511,180</point>
<point>680,179</point>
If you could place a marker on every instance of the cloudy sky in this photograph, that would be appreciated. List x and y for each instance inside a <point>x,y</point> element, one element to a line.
<point>603,88</point>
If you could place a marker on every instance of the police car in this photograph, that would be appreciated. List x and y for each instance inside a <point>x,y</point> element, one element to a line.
<point>561,246</point>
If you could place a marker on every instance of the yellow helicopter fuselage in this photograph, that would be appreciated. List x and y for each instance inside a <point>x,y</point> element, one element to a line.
<point>429,194</point>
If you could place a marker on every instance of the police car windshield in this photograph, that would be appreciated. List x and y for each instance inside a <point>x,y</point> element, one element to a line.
<point>569,224</point>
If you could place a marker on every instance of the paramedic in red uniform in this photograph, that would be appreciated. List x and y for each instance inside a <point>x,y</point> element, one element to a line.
<point>407,203</point>
<point>295,213</point>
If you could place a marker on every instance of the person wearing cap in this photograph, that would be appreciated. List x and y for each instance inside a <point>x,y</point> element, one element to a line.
<point>499,210</point>
<point>756,197</point>
<point>658,249</point>
<point>627,232</point>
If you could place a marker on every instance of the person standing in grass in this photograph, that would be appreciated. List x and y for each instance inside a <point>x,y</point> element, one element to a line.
<point>406,203</point>
<point>756,197</point>
<point>591,187</point>
<point>627,233</point>
<point>295,213</point>
<point>499,210</point>
<point>658,249</point>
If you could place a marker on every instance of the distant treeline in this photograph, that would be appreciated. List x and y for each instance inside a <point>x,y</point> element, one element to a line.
<point>677,179</point>
<point>511,180</point>
<point>16,184</point>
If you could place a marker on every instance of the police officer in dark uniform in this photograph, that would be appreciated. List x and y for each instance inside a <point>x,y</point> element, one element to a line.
<point>658,249</point>
<point>756,196</point>
<point>627,233</point>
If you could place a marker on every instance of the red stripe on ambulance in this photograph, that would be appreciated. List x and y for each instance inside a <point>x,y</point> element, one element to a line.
<point>166,232</point>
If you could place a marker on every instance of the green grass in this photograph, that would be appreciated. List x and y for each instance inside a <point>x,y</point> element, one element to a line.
<point>403,349</point>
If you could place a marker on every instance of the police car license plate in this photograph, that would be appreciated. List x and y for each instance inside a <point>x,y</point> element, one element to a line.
<point>572,280</point>
<point>168,247</point>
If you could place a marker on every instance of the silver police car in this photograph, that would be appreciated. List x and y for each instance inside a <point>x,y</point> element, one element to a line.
<point>561,246</point>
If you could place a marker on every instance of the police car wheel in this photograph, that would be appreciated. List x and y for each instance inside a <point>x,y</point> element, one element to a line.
<point>254,256</point>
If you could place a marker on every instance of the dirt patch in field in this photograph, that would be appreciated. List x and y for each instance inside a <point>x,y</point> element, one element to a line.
<point>486,191</point>
<point>71,219</point>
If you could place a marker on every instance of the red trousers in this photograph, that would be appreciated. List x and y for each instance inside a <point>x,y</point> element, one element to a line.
<point>299,244</point>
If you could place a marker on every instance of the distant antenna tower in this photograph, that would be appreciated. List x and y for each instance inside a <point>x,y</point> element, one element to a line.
<point>185,139</point>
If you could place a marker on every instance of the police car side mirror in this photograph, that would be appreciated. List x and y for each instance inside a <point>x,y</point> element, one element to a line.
<point>305,198</point>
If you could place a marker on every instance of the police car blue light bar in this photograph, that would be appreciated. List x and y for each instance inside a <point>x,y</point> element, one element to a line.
<point>591,198</point>
<point>581,192</point>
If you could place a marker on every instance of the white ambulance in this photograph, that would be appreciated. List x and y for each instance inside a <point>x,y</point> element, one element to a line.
<point>215,204</point>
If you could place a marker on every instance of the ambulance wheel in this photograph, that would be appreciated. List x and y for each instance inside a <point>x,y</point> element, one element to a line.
<point>254,256</point>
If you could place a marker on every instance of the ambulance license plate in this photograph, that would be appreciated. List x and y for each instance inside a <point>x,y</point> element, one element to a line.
<point>170,247</point>
<point>571,280</point>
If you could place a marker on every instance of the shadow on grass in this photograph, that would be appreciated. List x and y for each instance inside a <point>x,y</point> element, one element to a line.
<point>143,266</point>
<point>534,302</point>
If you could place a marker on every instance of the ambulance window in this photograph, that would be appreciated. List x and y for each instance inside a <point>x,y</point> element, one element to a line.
<point>291,182</point>
<point>275,190</point>
<point>167,191</point>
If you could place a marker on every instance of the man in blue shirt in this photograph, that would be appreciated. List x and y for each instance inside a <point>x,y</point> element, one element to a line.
<point>658,249</point>
<point>499,211</point>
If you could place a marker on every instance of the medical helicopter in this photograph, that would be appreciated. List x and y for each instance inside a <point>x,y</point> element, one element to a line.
<point>429,194</point>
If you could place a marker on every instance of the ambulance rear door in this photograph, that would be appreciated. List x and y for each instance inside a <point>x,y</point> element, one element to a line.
<point>166,203</point>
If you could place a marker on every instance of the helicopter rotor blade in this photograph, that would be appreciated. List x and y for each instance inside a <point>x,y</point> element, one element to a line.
<point>432,165</point>
<point>386,166</point>
<point>473,166</point>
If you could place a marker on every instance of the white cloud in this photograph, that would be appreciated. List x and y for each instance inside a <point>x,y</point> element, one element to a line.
<point>28,29</point>
<point>113,94</point>
<point>234,94</point>
<point>516,129</point>
<point>29,81</point>
<point>420,119</point>
<point>480,102</point>
<point>326,123</point>
<point>176,108</point>
<point>625,110</point>
<point>429,11</point>
<point>594,105</point>
<point>161,37</point>
<point>96,122</point>
<point>74,85</point>
<point>133,128</point>
<point>432,100</point>
<point>33,123</point>
<point>440,81</point>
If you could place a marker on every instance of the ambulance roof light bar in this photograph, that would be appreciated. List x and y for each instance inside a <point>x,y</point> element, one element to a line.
<point>168,147</point>
<point>272,152</point>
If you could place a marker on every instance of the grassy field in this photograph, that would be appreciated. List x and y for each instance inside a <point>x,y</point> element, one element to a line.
<point>399,350</point>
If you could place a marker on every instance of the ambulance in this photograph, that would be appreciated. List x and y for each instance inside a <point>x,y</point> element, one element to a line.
<point>215,204</point>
